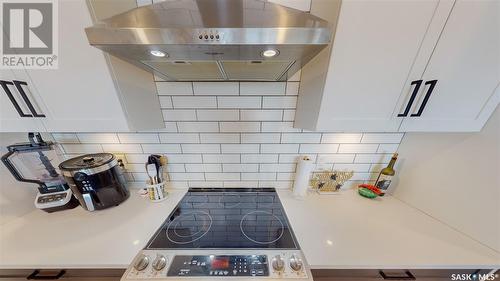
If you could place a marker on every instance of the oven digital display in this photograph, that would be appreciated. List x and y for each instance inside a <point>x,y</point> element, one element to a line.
<point>220,263</point>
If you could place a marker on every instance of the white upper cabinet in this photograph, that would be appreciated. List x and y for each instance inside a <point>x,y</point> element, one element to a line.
<point>375,45</point>
<point>388,56</point>
<point>465,67</point>
<point>303,5</point>
<point>78,96</point>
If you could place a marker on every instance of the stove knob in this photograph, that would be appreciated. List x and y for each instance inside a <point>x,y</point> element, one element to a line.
<point>296,263</point>
<point>160,262</point>
<point>141,263</point>
<point>278,263</point>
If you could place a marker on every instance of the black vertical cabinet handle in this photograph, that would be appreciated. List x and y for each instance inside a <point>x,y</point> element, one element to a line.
<point>417,84</point>
<point>426,98</point>
<point>5,86</point>
<point>408,276</point>
<point>19,86</point>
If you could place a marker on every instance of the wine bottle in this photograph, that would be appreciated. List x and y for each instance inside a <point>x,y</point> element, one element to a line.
<point>385,177</point>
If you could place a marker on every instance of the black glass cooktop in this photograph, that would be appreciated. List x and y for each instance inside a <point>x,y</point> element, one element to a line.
<point>226,218</point>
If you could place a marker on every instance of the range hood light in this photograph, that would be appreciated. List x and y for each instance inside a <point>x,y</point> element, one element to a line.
<point>271,53</point>
<point>157,53</point>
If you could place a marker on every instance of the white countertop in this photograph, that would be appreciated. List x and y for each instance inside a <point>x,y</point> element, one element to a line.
<point>334,231</point>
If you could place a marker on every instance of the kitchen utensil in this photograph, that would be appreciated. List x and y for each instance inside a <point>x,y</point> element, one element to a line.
<point>152,173</point>
<point>373,188</point>
<point>365,192</point>
<point>33,162</point>
<point>97,180</point>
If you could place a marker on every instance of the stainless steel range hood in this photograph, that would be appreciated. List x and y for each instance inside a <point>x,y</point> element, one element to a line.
<point>214,40</point>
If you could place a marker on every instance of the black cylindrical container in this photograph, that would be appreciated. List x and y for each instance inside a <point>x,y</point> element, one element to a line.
<point>97,181</point>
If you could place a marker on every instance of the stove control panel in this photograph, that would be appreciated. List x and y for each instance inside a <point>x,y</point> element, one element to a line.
<point>175,265</point>
<point>212,265</point>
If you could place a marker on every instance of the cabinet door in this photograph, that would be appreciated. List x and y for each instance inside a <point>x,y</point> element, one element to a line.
<point>466,65</point>
<point>373,52</point>
<point>80,95</point>
<point>18,119</point>
<point>303,5</point>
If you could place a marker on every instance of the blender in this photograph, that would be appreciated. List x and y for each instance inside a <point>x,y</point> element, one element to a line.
<point>35,162</point>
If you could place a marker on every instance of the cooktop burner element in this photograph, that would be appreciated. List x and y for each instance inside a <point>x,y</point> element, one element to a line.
<point>217,233</point>
<point>227,218</point>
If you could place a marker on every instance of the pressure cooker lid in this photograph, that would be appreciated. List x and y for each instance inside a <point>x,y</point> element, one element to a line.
<point>87,161</point>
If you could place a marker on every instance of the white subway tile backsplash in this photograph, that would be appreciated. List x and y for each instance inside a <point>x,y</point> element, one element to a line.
<point>204,168</point>
<point>388,148</point>
<point>216,88</point>
<point>336,158</point>
<point>165,102</point>
<point>373,158</point>
<point>236,127</point>
<point>259,158</point>
<point>194,102</point>
<point>258,176</point>
<point>300,138</point>
<point>293,158</point>
<point>200,148</point>
<point>279,148</point>
<point>341,138</point>
<point>240,148</point>
<point>284,168</point>
<point>221,158</point>
<point>261,115</point>
<point>292,88</point>
<point>260,138</point>
<point>240,168</point>
<point>382,138</point>
<point>184,158</point>
<point>279,102</point>
<point>239,102</point>
<point>82,148</point>
<point>170,127</point>
<point>179,138</point>
<point>206,184</point>
<point>65,138</point>
<point>187,176</point>
<point>218,115</point>
<point>136,158</point>
<point>289,115</point>
<point>174,88</point>
<point>122,148</point>
<point>198,127</point>
<point>179,114</point>
<point>98,138</point>
<point>161,148</point>
<point>262,88</point>
<point>138,138</point>
<point>319,148</point>
<point>358,148</point>
<point>352,167</point>
<point>241,184</point>
<point>236,134</point>
<point>222,176</point>
<point>276,127</point>
<point>285,176</point>
<point>220,138</point>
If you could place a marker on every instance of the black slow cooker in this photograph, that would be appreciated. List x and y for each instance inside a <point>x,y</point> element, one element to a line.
<point>97,181</point>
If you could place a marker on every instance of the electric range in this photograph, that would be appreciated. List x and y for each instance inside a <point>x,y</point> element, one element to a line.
<point>240,234</point>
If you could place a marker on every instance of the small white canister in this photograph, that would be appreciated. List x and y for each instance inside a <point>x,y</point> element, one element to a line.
<point>156,192</point>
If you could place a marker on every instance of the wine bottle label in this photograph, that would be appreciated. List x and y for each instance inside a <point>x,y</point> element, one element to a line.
<point>383,182</point>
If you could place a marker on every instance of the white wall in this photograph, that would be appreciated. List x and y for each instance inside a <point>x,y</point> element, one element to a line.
<point>16,198</point>
<point>455,178</point>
